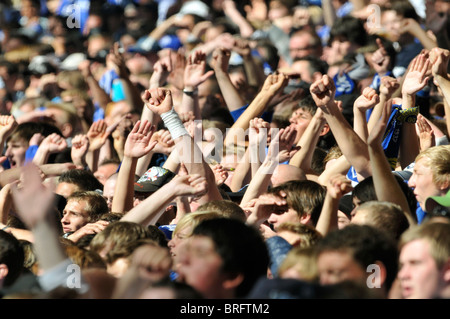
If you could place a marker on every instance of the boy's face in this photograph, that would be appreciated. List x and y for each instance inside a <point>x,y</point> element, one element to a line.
<point>200,266</point>
<point>15,152</point>
<point>300,118</point>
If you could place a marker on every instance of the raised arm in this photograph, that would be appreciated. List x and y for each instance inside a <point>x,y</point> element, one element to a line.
<point>386,186</point>
<point>280,150</point>
<point>273,85</point>
<point>219,62</point>
<point>415,80</point>
<point>194,74</point>
<point>308,142</point>
<point>337,186</point>
<point>160,102</point>
<point>151,209</point>
<point>351,145</point>
<point>366,101</point>
<point>138,144</point>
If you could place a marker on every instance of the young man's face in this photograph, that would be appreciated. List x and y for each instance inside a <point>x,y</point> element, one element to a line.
<point>200,266</point>
<point>74,216</point>
<point>422,182</point>
<point>290,215</point>
<point>15,152</point>
<point>418,275</point>
<point>300,118</point>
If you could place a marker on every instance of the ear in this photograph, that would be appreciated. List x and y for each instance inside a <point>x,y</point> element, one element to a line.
<point>325,129</point>
<point>305,218</point>
<point>233,282</point>
<point>383,272</point>
<point>3,271</point>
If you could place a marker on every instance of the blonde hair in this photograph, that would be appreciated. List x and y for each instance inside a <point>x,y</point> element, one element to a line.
<point>437,158</point>
<point>303,261</point>
<point>193,219</point>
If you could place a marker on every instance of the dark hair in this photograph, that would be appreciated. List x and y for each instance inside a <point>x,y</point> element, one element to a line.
<point>241,247</point>
<point>305,197</point>
<point>367,245</point>
<point>84,179</point>
<point>12,255</point>
<point>365,191</point>
<point>349,28</point>
<point>315,64</point>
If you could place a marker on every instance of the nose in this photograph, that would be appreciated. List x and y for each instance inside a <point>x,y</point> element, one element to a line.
<point>412,181</point>
<point>8,152</point>
<point>64,220</point>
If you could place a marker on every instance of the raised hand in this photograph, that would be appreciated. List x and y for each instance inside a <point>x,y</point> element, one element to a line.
<point>194,73</point>
<point>220,174</point>
<point>117,60</point>
<point>53,143</point>
<point>158,100</point>
<point>439,60</point>
<point>80,147</point>
<point>139,142</point>
<point>165,143</point>
<point>242,47</point>
<point>32,200</point>
<point>338,186</point>
<point>258,131</point>
<point>388,86</point>
<point>367,100</point>
<point>161,72</point>
<point>425,132</point>
<point>416,79</point>
<point>7,125</point>
<point>264,207</point>
<point>176,77</point>
<point>97,135</point>
<point>323,92</point>
<point>281,146</point>
<point>220,59</point>
<point>189,185</point>
<point>275,83</point>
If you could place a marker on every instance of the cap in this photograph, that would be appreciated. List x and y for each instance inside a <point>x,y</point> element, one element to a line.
<point>433,201</point>
<point>170,41</point>
<point>153,179</point>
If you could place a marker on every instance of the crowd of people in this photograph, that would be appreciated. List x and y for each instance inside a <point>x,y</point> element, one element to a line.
<point>219,149</point>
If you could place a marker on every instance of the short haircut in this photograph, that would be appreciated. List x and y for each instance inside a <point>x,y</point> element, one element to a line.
<point>437,234</point>
<point>349,28</point>
<point>84,179</point>
<point>12,255</point>
<point>241,247</point>
<point>96,205</point>
<point>305,197</point>
<point>226,208</point>
<point>367,245</point>
<point>438,161</point>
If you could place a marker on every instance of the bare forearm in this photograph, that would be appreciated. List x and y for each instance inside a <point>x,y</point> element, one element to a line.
<point>328,216</point>
<point>123,193</point>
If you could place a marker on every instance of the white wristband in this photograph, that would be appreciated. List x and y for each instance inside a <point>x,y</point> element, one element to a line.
<point>174,125</point>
